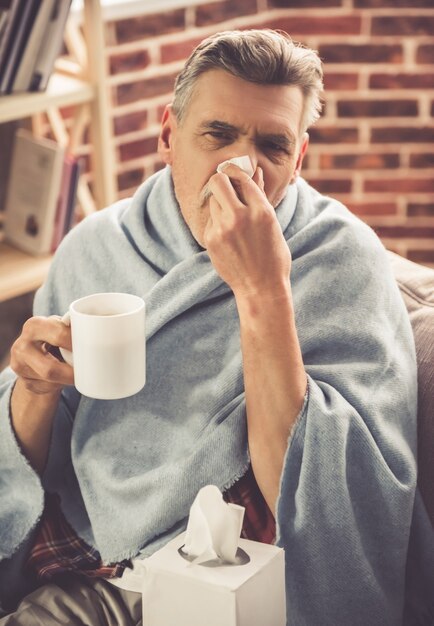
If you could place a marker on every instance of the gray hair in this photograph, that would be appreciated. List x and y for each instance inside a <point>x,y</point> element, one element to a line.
<point>266,57</point>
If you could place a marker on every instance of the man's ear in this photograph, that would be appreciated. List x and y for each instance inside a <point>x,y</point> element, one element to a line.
<point>303,150</point>
<point>165,139</point>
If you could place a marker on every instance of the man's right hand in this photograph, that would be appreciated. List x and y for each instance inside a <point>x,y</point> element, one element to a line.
<point>41,377</point>
<point>32,359</point>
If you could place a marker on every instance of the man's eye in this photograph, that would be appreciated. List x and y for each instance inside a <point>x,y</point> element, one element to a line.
<point>220,136</point>
<point>274,147</point>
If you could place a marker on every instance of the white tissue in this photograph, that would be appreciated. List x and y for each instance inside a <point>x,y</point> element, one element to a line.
<point>243,162</point>
<point>214,527</point>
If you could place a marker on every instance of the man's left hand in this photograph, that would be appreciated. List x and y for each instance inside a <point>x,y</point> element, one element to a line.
<point>243,236</point>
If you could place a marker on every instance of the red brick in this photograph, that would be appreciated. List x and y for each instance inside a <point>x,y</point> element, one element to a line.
<point>138,28</point>
<point>68,111</point>
<point>147,88</point>
<point>425,54</point>
<point>420,209</point>
<point>220,11</point>
<point>337,81</point>
<point>422,159</point>
<point>296,4</point>
<point>321,25</point>
<point>333,134</point>
<point>129,62</point>
<point>395,134</point>
<point>394,4</point>
<point>401,81</point>
<point>403,25</point>
<point>421,256</point>
<point>128,180</point>
<point>178,50</point>
<point>407,232</point>
<point>361,53</point>
<point>401,185</point>
<point>372,208</point>
<point>371,161</point>
<point>130,122</point>
<point>377,108</point>
<point>331,185</point>
<point>138,149</point>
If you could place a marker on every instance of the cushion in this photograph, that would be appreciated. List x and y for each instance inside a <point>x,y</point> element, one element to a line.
<point>416,284</point>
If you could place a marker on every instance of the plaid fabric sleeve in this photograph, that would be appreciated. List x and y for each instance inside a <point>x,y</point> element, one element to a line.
<point>58,549</point>
<point>259,523</point>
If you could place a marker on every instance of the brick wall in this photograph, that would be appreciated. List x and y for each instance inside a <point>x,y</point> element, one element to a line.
<point>372,149</point>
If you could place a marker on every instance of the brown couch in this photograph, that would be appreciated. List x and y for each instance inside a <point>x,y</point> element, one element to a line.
<point>416,283</point>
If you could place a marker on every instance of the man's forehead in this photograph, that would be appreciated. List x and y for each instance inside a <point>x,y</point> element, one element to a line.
<point>221,97</point>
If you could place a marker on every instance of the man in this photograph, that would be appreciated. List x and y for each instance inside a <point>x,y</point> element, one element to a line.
<point>280,367</point>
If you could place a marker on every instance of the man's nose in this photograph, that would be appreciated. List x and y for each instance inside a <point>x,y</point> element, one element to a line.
<point>253,159</point>
<point>243,152</point>
<point>250,150</point>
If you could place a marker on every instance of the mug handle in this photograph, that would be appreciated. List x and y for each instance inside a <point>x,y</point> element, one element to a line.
<point>67,354</point>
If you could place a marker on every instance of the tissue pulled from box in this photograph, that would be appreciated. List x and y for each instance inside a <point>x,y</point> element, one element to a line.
<point>243,162</point>
<point>214,527</point>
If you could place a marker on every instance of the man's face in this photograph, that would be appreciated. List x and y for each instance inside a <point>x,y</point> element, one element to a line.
<point>225,118</point>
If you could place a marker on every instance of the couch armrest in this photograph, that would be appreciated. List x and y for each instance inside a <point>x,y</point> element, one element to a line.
<point>416,284</point>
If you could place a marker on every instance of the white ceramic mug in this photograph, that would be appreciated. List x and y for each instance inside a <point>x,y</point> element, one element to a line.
<point>108,345</point>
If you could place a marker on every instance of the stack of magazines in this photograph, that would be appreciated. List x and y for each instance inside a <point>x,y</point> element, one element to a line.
<point>31,37</point>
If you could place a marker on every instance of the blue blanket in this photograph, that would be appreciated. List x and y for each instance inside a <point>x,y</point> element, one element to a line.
<point>127,471</point>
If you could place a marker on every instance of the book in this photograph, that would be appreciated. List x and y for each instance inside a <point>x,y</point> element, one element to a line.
<point>7,136</point>
<point>27,17</point>
<point>33,191</point>
<point>3,21</point>
<point>70,217</point>
<point>10,20</point>
<point>51,45</point>
<point>63,201</point>
<point>24,73</point>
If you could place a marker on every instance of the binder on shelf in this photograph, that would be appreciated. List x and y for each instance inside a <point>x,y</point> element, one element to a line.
<point>20,33</point>
<point>24,73</point>
<point>51,45</point>
<point>33,191</point>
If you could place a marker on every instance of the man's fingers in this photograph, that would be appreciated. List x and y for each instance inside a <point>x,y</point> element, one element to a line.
<point>48,330</point>
<point>258,178</point>
<point>33,361</point>
<point>224,192</point>
<point>248,191</point>
<point>32,356</point>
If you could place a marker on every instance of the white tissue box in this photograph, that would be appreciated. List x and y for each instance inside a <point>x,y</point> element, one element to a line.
<point>179,593</point>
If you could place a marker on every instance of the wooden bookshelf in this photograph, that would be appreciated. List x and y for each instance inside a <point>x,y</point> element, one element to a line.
<point>20,272</point>
<point>61,91</point>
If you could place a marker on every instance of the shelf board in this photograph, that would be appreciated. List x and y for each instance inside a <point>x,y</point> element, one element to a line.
<point>61,91</point>
<point>20,272</point>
